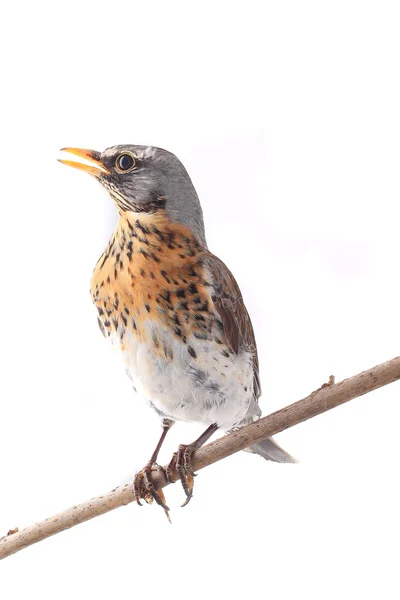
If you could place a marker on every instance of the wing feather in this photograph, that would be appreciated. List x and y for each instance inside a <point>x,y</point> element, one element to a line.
<point>235,319</point>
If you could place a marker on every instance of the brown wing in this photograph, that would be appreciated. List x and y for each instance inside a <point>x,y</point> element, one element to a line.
<point>235,319</point>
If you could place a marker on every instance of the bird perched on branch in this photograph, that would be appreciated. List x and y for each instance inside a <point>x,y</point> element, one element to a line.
<point>172,308</point>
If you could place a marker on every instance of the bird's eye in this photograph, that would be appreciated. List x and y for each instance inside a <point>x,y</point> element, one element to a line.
<point>125,162</point>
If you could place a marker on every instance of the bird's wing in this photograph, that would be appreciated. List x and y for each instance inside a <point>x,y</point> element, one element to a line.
<point>236,322</point>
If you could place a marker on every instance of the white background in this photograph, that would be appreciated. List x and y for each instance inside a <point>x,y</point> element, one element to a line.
<point>286,115</point>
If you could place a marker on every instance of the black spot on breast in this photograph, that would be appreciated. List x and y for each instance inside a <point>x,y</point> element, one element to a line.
<point>225,353</point>
<point>147,307</point>
<point>104,260</point>
<point>158,233</point>
<point>180,293</point>
<point>199,377</point>
<point>167,351</point>
<point>193,289</point>
<point>192,352</point>
<point>202,307</point>
<point>200,336</point>
<point>142,228</point>
<point>165,275</point>
<point>179,332</point>
<point>101,327</point>
<point>212,386</point>
<point>166,296</point>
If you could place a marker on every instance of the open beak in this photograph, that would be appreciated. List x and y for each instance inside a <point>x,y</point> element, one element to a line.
<point>96,168</point>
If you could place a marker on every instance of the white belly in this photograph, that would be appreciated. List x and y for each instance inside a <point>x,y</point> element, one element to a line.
<point>208,388</point>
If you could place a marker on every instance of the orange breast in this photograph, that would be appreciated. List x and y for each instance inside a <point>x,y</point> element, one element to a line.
<point>152,270</point>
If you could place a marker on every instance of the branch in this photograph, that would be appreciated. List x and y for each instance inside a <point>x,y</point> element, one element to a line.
<point>327,397</point>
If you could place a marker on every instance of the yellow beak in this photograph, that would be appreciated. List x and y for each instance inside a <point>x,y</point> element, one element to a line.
<point>96,169</point>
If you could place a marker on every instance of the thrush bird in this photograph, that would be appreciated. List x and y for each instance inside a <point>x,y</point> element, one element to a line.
<point>172,309</point>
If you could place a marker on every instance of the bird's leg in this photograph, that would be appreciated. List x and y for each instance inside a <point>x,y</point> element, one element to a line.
<point>182,461</point>
<point>143,486</point>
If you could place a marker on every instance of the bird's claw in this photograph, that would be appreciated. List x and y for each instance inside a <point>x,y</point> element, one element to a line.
<point>143,487</point>
<point>182,462</point>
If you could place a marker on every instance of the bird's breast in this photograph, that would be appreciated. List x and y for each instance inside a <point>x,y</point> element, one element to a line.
<point>152,272</point>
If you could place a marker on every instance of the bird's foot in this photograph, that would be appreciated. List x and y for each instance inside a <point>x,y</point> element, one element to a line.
<point>182,462</point>
<point>143,487</point>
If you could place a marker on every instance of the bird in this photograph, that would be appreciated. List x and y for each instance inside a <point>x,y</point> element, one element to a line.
<point>172,309</point>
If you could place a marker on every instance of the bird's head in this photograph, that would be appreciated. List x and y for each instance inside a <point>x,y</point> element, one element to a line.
<point>144,179</point>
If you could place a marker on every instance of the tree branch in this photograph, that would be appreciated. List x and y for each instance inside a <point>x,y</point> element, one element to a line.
<point>327,397</point>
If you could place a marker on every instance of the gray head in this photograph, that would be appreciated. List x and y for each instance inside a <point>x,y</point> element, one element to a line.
<point>145,179</point>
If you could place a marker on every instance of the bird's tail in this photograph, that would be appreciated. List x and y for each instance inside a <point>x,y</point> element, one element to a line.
<point>270,450</point>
